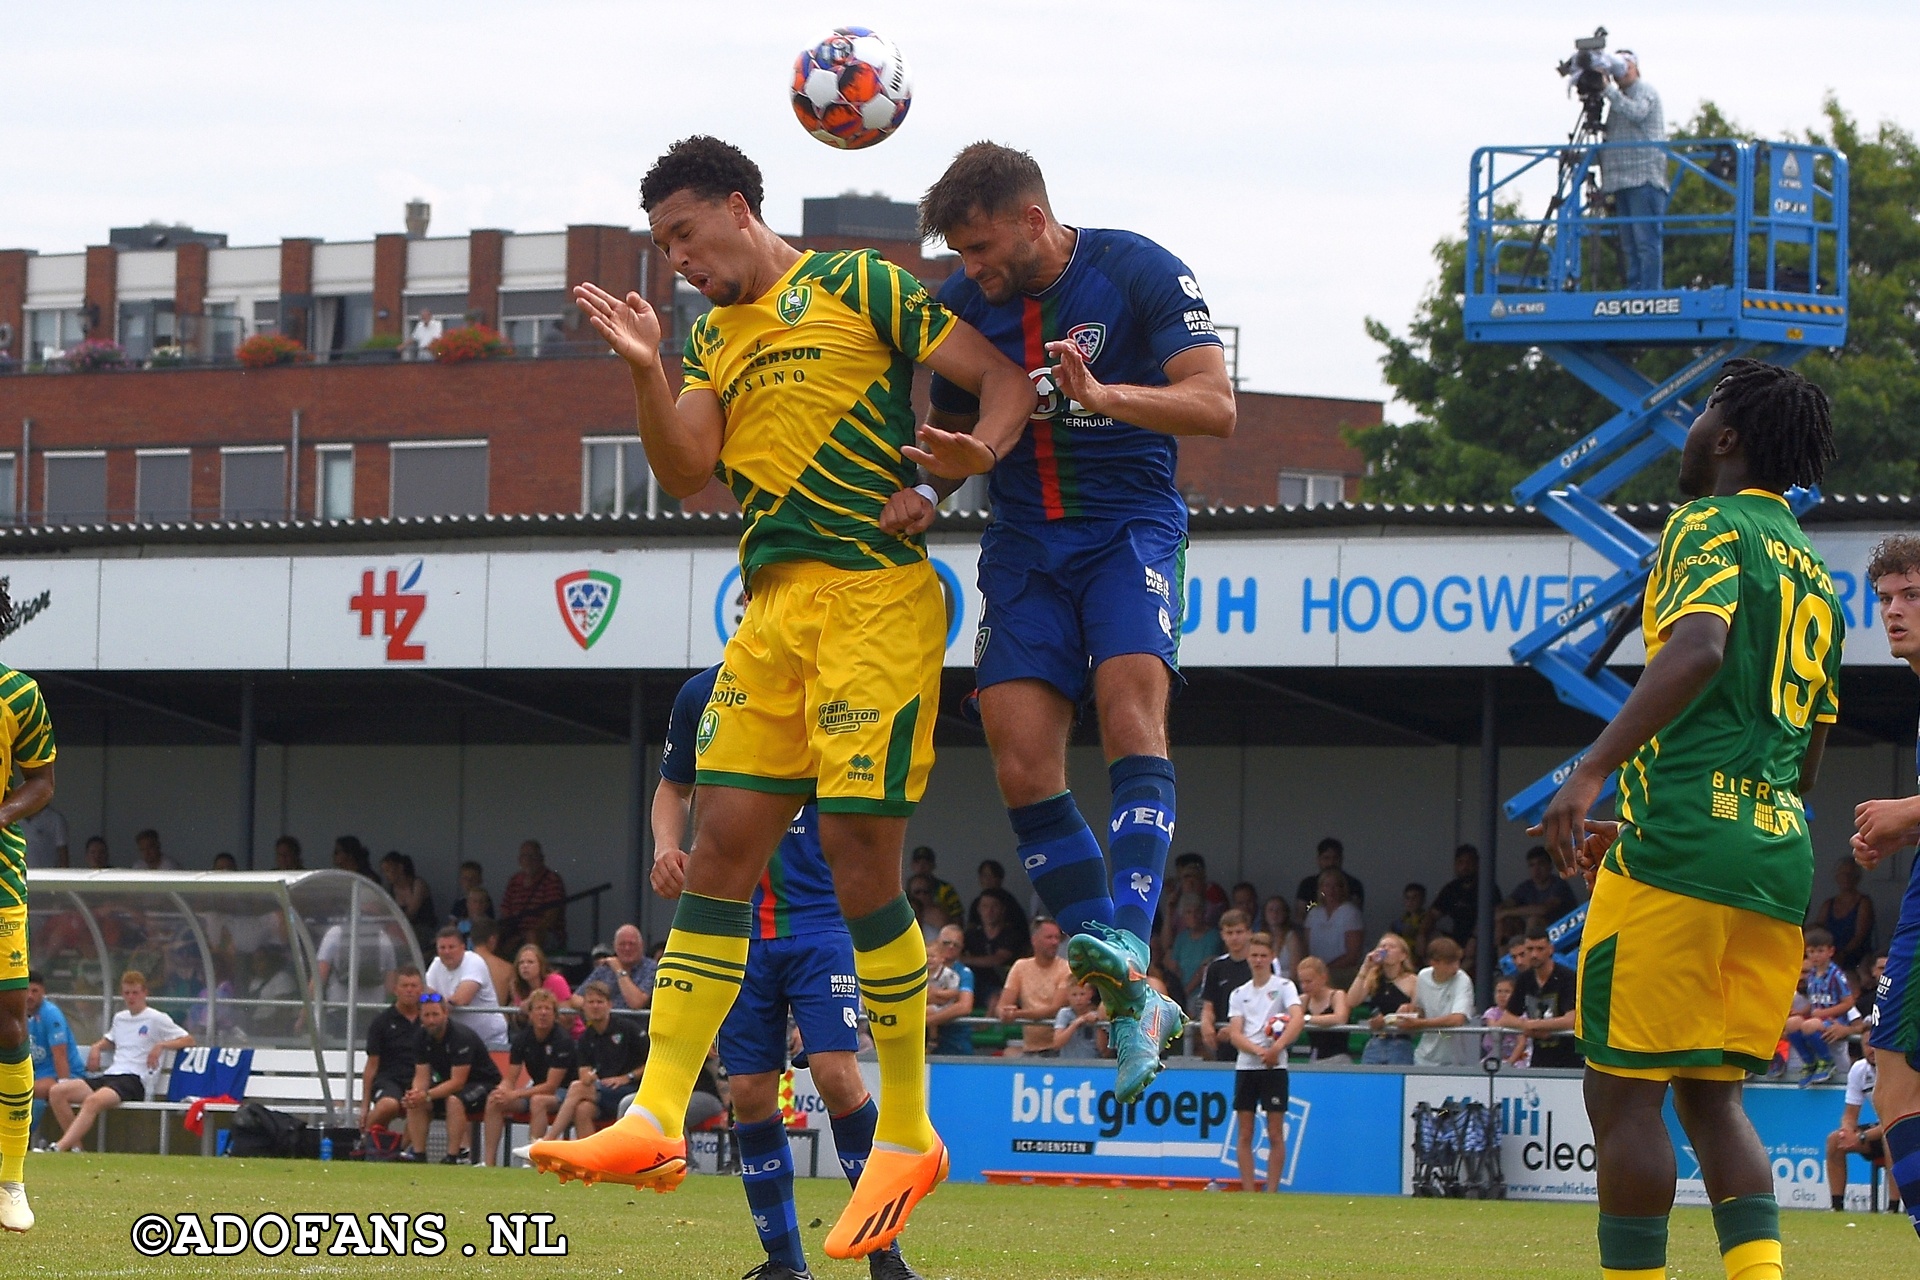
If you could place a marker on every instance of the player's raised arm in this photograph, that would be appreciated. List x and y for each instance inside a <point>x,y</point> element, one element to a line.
<point>682,439</point>
<point>1197,400</point>
<point>1007,400</point>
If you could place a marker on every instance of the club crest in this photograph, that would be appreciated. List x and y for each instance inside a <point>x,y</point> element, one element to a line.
<point>587,599</point>
<point>793,304</point>
<point>1089,338</point>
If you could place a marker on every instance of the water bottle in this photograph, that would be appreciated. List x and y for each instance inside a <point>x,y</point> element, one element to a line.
<point>326,1147</point>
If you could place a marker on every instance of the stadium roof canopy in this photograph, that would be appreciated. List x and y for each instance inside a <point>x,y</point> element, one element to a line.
<point>33,539</point>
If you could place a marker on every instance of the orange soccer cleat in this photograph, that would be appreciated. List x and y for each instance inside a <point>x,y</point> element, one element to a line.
<point>632,1151</point>
<point>890,1186</point>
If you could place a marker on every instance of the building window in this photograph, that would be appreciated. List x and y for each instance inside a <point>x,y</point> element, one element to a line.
<point>342,323</point>
<point>51,331</point>
<point>333,482</point>
<point>76,486</point>
<point>439,478</point>
<point>266,315</point>
<point>531,319</point>
<point>1312,488</point>
<point>163,486</point>
<point>616,481</point>
<point>145,326</point>
<point>9,489</point>
<point>253,483</point>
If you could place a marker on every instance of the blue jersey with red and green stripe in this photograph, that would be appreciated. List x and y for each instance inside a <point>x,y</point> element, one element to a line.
<point>795,893</point>
<point>1130,306</point>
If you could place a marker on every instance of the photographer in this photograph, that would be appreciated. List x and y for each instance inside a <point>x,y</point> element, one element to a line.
<point>1635,177</point>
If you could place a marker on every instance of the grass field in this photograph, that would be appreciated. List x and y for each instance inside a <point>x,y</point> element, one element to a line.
<point>87,1206</point>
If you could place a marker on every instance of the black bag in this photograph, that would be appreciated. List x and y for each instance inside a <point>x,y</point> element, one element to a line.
<point>378,1144</point>
<point>262,1131</point>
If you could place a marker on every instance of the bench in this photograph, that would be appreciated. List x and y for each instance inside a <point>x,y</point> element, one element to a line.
<point>283,1079</point>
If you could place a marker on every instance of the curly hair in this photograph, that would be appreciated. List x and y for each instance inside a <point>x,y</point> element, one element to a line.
<point>1899,554</point>
<point>1784,421</point>
<point>706,166</point>
<point>984,178</point>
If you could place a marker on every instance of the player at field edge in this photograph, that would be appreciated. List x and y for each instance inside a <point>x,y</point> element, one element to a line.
<point>1083,569</point>
<point>1700,887</point>
<point>797,395</point>
<point>1882,828</point>
<point>26,745</point>
<point>800,959</point>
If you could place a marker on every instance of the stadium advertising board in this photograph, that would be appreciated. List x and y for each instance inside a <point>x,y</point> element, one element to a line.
<point>1547,1144</point>
<point>1049,1116</point>
<point>1255,601</point>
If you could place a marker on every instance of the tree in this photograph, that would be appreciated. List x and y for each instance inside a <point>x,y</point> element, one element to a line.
<point>1489,414</point>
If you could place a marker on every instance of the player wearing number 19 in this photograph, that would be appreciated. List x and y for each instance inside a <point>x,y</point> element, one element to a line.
<point>1700,887</point>
<point>797,395</point>
<point>26,745</point>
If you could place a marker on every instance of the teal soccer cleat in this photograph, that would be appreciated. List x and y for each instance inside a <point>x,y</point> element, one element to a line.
<point>1139,1042</point>
<point>1116,965</point>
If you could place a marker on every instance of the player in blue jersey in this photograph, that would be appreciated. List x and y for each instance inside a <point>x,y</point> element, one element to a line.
<point>1882,828</point>
<point>799,959</point>
<point>1083,567</point>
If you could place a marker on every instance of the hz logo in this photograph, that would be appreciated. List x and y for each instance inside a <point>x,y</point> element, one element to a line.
<point>587,600</point>
<point>399,608</point>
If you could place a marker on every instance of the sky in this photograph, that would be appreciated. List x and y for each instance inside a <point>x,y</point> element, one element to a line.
<point>1302,158</point>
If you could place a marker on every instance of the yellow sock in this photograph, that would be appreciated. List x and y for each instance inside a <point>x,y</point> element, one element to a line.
<point>16,1111</point>
<point>1644,1273</point>
<point>891,958</point>
<point>699,977</point>
<point>1754,1260</point>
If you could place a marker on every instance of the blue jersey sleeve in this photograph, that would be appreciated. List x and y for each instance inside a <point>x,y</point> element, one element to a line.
<point>956,291</point>
<point>1166,299</point>
<point>677,757</point>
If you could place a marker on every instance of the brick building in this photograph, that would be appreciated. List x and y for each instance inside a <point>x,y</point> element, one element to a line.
<point>182,432</point>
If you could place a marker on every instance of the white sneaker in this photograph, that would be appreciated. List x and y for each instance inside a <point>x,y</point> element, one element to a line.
<point>15,1215</point>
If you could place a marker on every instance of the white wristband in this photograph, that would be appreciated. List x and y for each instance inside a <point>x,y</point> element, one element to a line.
<point>928,492</point>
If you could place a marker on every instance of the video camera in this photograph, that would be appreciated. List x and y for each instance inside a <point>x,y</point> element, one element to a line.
<point>1586,74</point>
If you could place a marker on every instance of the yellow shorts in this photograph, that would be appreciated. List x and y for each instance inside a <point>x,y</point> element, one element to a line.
<point>1673,986</point>
<point>13,948</point>
<point>830,687</point>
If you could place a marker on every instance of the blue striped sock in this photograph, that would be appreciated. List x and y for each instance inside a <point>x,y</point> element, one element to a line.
<point>1061,857</point>
<point>853,1138</point>
<point>766,1171</point>
<point>1140,833</point>
<point>1903,1152</point>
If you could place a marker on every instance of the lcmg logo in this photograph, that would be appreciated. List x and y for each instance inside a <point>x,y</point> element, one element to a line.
<point>393,602</point>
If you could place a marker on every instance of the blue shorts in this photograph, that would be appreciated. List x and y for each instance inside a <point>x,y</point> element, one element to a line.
<point>810,974</point>
<point>1896,1010</point>
<point>1063,598</point>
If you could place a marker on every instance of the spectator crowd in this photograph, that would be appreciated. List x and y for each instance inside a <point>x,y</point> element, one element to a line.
<point>505,1026</point>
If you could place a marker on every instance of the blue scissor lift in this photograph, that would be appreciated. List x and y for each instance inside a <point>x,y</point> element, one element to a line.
<point>1759,233</point>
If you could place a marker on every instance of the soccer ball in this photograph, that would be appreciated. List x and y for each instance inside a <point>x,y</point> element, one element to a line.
<point>851,90</point>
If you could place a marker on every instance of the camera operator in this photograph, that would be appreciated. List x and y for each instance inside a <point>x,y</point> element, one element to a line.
<point>1635,177</point>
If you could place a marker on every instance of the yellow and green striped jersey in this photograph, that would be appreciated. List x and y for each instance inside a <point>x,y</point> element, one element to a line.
<point>26,742</point>
<point>815,378</point>
<point>1710,806</point>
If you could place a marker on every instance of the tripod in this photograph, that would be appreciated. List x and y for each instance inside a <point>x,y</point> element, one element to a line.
<point>1585,134</point>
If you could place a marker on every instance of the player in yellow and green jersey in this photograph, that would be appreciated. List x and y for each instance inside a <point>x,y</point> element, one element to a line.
<point>26,771</point>
<point>797,395</point>
<point>1692,945</point>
